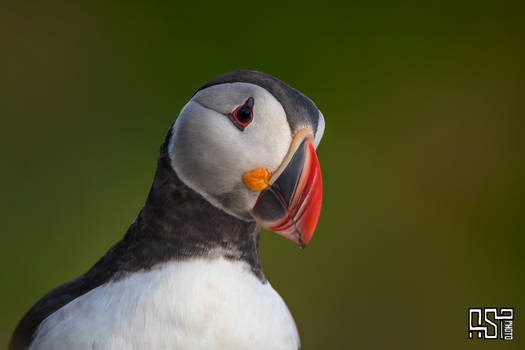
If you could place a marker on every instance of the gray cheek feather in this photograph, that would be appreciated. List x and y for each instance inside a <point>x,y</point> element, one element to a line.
<point>195,158</point>
<point>210,155</point>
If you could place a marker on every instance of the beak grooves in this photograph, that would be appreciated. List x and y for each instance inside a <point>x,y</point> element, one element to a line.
<point>291,205</point>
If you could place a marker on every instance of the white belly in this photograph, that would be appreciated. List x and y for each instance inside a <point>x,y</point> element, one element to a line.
<point>198,304</point>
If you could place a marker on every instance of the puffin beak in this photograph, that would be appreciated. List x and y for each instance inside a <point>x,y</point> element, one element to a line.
<point>291,203</point>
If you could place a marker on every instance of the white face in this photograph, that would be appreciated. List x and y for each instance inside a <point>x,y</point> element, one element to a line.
<point>210,154</point>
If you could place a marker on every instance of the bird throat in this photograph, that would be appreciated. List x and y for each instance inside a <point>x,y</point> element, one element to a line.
<point>177,223</point>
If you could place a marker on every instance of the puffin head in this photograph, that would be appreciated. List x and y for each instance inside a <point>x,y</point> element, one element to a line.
<point>246,143</point>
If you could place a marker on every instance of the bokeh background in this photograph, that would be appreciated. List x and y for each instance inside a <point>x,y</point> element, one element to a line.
<point>422,158</point>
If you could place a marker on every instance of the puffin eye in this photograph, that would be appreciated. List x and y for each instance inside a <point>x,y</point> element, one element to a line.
<point>242,116</point>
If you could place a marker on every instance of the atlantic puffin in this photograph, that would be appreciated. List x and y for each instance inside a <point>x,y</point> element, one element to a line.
<point>187,273</point>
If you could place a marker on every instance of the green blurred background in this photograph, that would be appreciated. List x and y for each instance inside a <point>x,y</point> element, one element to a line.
<point>422,156</point>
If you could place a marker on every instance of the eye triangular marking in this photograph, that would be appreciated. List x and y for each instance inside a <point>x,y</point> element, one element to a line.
<point>249,102</point>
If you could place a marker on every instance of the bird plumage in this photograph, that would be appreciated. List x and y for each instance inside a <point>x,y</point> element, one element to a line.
<point>196,304</point>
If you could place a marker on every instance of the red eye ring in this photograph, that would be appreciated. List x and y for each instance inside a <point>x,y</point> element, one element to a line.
<point>242,115</point>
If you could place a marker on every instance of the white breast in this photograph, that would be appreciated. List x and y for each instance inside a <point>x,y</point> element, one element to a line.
<point>198,304</point>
